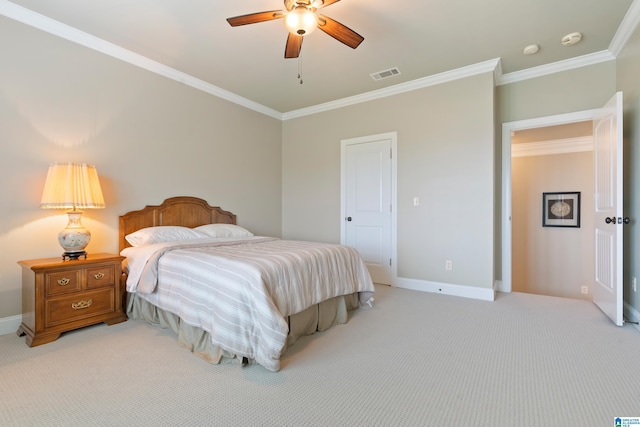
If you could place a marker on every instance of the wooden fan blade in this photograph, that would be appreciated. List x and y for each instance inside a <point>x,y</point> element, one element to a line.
<point>253,18</point>
<point>293,47</point>
<point>339,32</point>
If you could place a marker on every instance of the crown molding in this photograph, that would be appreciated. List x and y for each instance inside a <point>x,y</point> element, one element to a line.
<point>558,146</point>
<point>51,26</point>
<point>625,30</point>
<point>36,20</point>
<point>555,67</point>
<point>436,79</point>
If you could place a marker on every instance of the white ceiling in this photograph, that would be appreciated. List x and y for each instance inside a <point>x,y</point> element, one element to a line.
<point>190,40</point>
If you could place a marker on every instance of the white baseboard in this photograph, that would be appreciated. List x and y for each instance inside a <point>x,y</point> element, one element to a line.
<point>9,325</point>
<point>632,314</point>
<point>485,294</point>
<point>498,286</point>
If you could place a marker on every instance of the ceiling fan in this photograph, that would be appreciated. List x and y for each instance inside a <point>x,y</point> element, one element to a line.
<point>301,17</point>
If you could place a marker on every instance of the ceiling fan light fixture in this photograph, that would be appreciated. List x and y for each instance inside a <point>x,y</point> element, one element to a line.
<point>301,21</point>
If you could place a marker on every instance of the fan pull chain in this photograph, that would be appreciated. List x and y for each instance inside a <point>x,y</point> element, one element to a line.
<point>300,70</point>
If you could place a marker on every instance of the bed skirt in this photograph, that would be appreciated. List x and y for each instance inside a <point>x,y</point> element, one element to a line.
<point>319,317</point>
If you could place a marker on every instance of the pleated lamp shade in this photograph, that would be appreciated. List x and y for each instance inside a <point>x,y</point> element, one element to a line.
<point>72,186</point>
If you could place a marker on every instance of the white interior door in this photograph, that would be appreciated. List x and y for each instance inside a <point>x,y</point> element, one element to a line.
<point>367,203</point>
<point>608,155</point>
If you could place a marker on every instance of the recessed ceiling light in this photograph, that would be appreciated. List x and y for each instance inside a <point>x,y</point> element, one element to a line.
<point>571,39</point>
<point>531,49</point>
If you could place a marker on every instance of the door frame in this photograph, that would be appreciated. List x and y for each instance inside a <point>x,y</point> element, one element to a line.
<point>505,285</point>
<point>393,136</point>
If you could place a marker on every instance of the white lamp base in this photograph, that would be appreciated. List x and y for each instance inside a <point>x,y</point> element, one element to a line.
<point>74,238</point>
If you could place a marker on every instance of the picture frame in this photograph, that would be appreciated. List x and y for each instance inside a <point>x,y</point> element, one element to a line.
<point>561,209</point>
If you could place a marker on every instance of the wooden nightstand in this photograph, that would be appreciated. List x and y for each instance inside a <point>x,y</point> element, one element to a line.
<point>59,296</point>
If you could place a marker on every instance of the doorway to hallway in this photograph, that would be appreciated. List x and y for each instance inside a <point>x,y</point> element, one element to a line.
<point>553,257</point>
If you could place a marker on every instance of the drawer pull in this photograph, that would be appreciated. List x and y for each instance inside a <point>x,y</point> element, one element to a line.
<point>81,304</point>
<point>99,276</point>
<point>64,281</point>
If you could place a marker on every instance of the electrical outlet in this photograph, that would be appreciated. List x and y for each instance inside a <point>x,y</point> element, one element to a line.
<point>448,265</point>
<point>633,284</point>
<point>584,290</point>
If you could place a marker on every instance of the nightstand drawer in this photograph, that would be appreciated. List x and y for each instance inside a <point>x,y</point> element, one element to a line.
<point>102,276</point>
<point>62,283</point>
<point>74,307</point>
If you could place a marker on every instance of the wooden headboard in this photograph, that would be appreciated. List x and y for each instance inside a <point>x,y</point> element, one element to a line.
<point>184,211</point>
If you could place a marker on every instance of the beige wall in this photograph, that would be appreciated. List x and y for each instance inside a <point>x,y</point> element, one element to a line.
<point>551,260</point>
<point>149,137</point>
<point>565,92</point>
<point>445,156</point>
<point>153,138</point>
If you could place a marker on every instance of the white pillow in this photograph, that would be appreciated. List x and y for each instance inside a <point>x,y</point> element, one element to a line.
<point>162,233</point>
<point>224,230</point>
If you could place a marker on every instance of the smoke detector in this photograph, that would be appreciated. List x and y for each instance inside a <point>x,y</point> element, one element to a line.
<point>531,49</point>
<point>571,39</point>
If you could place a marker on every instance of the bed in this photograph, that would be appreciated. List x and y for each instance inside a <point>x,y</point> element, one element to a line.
<point>230,296</point>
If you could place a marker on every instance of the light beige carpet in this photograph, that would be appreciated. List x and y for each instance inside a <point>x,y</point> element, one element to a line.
<point>413,359</point>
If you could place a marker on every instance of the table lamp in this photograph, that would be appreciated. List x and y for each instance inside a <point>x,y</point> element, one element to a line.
<point>72,186</point>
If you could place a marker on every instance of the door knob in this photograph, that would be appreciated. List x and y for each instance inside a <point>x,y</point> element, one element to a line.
<point>612,220</point>
<point>348,218</point>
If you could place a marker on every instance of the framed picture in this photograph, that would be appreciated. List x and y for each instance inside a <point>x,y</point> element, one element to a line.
<point>561,209</point>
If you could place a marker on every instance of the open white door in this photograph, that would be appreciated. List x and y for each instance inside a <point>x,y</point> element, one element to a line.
<point>608,219</point>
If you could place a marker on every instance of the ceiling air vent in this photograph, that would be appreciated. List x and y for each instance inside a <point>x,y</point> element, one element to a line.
<point>385,74</point>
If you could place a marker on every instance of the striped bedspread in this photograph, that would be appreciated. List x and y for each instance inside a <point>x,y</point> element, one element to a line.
<point>241,291</point>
